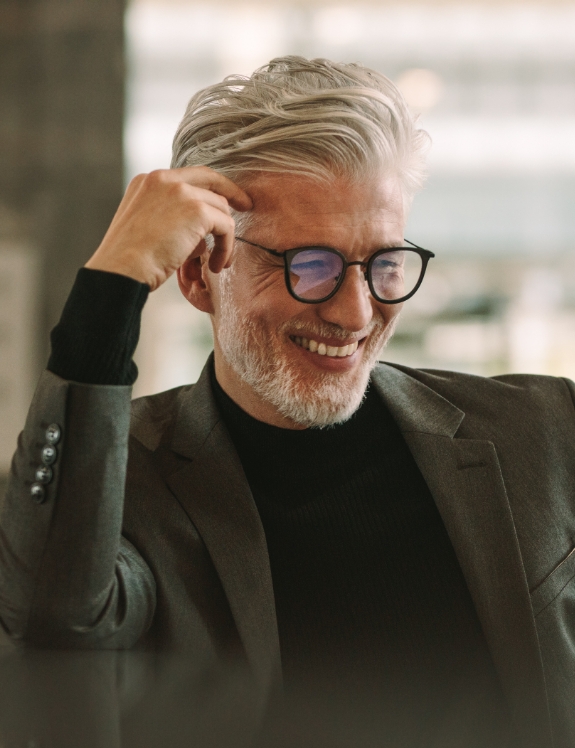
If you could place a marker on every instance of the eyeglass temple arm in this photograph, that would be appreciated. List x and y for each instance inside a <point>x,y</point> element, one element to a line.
<point>259,246</point>
<point>281,254</point>
<point>427,251</point>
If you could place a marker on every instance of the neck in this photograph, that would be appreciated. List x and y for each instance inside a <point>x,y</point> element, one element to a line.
<point>244,396</point>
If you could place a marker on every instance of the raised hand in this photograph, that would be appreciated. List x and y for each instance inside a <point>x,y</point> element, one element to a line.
<point>164,218</point>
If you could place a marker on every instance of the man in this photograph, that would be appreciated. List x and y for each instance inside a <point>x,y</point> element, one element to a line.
<point>403,531</point>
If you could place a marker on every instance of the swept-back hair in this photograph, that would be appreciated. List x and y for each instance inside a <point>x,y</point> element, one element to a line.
<point>311,117</point>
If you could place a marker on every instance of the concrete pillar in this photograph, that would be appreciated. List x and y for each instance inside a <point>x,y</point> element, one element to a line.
<point>61,174</point>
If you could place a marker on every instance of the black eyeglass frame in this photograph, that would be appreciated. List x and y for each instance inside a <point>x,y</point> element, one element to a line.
<point>289,254</point>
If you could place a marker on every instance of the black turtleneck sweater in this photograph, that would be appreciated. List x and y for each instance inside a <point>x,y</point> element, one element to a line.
<point>369,593</point>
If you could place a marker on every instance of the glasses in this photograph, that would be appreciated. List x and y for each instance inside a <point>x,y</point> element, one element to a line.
<point>314,274</point>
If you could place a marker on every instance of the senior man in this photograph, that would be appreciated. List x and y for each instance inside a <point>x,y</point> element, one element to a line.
<point>408,532</point>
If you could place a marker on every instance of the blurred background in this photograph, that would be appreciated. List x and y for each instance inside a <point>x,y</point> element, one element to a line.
<point>91,94</point>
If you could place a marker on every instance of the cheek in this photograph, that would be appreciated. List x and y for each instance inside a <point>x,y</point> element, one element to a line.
<point>259,295</point>
<point>388,312</point>
<point>266,283</point>
<point>267,297</point>
<point>254,278</point>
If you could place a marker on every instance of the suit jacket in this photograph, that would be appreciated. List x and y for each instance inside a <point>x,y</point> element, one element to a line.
<point>178,558</point>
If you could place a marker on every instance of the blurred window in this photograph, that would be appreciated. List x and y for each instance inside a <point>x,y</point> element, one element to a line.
<point>494,84</point>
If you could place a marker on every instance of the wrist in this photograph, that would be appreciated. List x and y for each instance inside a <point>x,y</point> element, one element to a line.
<point>123,266</point>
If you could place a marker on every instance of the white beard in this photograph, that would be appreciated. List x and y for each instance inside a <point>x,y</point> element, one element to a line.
<point>259,358</point>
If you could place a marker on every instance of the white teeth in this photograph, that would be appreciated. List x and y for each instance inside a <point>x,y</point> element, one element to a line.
<point>327,350</point>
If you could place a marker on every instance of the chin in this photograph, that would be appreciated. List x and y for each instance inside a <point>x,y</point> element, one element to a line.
<point>310,399</point>
<point>325,403</point>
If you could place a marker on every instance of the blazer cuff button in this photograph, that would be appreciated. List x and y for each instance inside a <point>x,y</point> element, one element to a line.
<point>38,493</point>
<point>44,474</point>
<point>49,454</point>
<point>53,433</point>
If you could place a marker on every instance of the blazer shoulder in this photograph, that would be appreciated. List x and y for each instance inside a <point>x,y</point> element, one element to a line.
<point>153,416</point>
<point>488,395</point>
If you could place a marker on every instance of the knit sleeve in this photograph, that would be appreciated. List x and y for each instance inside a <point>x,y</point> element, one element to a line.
<point>98,332</point>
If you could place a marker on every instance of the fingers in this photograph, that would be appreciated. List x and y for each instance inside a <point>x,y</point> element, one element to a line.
<point>221,254</point>
<point>221,227</point>
<point>163,219</point>
<point>209,198</point>
<point>208,179</point>
<point>218,192</point>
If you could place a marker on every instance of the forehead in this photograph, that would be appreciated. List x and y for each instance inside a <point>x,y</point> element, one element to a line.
<point>290,209</point>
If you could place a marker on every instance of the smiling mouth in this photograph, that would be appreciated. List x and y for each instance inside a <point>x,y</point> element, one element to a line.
<point>326,350</point>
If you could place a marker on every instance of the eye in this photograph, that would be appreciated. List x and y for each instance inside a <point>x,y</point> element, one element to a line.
<point>308,265</point>
<point>389,261</point>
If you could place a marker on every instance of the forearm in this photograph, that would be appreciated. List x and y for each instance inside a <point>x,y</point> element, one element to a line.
<point>66,577</point>
<point>63,580</point>
<point>98,332</point>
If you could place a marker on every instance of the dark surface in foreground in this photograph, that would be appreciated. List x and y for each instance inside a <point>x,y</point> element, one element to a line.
<point>55,699</point>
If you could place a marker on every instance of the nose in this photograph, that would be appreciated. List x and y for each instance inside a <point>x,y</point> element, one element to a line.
<point>351,307</point>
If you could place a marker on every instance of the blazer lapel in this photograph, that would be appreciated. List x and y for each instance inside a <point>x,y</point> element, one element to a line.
<point>213,490</point>
<point>465,480</point>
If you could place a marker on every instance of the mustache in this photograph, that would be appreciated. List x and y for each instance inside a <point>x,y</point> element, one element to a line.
<point>325,330</point>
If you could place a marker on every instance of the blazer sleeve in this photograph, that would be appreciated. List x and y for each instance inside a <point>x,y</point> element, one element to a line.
<point>67,577</point>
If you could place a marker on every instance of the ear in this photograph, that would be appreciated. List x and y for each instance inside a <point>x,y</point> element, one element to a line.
<point>193,281</point>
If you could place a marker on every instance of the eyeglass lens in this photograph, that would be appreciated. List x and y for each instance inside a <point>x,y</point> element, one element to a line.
<point>315,272</point>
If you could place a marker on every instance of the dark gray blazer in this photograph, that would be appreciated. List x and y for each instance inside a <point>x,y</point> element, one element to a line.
<point>181,560</point>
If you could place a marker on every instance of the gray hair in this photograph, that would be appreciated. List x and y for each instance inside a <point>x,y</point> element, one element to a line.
<point>315,118</point>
